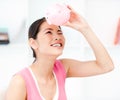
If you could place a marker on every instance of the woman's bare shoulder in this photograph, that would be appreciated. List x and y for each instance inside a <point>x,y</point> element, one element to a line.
<point>16,89</point>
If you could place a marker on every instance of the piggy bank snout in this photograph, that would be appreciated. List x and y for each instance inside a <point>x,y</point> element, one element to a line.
<point>57,14</point>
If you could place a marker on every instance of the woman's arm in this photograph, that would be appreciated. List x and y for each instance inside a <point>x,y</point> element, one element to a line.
<point>16,89</point>
<point>103,62</point>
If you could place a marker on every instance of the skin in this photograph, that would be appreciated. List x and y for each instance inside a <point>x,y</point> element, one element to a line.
<point>51,34</point>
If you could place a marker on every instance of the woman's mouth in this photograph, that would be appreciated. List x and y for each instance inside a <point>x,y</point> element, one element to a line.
<point>57,45</point>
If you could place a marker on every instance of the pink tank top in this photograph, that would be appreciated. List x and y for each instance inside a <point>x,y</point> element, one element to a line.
<point>33,92</point>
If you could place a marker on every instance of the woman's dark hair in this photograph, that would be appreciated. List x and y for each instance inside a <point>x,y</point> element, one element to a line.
<point>34,29</point>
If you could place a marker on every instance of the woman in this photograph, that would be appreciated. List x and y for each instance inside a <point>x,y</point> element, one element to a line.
<point>45,78</point>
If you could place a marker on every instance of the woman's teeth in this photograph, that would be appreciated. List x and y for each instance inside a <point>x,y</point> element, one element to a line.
<point>57,45</point>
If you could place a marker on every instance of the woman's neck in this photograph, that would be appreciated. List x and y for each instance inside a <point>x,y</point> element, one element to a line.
<point>43,68</point>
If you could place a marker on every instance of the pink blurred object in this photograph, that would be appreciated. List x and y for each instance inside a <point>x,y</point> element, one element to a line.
<point>117,35</point>
<point>57,14</point>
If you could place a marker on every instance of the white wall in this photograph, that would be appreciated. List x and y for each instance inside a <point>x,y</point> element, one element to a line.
<point>102,15</point>
<point>13,18</point>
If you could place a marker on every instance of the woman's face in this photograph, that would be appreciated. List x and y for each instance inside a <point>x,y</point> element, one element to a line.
<point>50,40</point>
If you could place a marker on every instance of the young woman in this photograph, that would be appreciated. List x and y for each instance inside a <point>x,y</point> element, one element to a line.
<point>45,78</point>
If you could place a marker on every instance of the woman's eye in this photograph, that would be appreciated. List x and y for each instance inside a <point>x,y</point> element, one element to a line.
<point>49,32</point>
<point>60,33</point>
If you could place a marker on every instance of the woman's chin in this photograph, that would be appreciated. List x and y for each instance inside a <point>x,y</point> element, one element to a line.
<point>57,54</point>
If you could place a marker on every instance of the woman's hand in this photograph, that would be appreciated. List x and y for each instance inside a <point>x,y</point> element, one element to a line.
<point>76,21</point>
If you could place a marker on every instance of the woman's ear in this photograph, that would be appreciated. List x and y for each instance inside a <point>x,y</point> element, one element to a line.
<point>33,43</point>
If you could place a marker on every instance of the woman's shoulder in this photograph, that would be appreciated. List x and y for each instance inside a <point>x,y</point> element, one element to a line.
<point>16,88</point>
<point>59,65</point>
<point>63,62</point>
<point>17,79</point>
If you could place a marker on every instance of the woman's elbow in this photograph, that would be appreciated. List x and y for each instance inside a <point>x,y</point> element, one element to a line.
<point>110,67</point>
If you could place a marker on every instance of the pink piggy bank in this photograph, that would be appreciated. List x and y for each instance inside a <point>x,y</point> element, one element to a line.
<point>57,14</point>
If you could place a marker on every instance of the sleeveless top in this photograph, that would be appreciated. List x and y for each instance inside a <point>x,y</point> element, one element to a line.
<point>33,92</point>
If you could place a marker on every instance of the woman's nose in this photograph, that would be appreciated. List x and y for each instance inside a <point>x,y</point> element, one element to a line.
<point>57,37</point>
